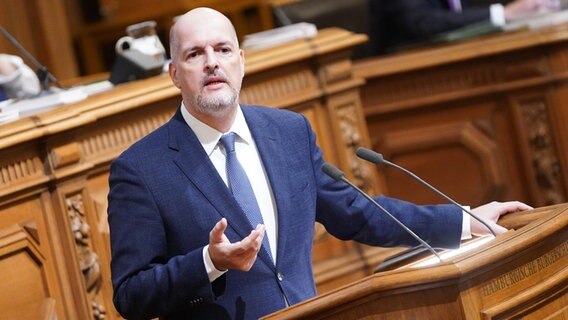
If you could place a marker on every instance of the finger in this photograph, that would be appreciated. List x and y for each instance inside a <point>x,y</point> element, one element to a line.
<point>251,246</point>
<point>480,229</point>
<point>253,240</point>
<point>523,206</point>
<point>499,229</point>
<point>513,206</point>
<point>217,233</point>
<point>261,229</point>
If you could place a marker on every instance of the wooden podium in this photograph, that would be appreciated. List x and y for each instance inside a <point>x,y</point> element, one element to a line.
<point>520,274</point>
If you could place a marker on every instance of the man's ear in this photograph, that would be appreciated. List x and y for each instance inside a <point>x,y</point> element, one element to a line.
<point>242,54</point>
<point>173,74</point>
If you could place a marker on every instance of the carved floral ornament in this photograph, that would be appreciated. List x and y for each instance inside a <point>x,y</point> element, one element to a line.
<point>544,156</point>
<point>351,135</point>
<point>88,260</point>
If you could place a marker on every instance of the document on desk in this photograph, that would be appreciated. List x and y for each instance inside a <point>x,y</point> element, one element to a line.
<point>538,20</point>
<point>281,35</point>
<point>14,109</point>
<point>44,102</point>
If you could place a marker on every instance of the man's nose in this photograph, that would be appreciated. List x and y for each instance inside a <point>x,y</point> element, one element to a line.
<point>211,62</point>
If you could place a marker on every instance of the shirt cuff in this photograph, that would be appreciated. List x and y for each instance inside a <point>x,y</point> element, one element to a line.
<point>212,272</point>
<point>466,224</point>
<point>497,14</point>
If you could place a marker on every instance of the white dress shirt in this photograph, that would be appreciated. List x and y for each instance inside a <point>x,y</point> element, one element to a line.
<point>248,156</point>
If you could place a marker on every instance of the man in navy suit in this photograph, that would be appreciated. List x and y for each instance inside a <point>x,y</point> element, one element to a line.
<point>403,22</point>
<point>182,246</point>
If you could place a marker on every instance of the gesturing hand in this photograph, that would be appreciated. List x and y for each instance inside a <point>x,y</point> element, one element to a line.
<point>491,212</point>
<point>239,255</point>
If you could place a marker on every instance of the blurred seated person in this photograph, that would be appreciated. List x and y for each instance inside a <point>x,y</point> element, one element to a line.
<point>401,22</point>
<point>352,15</point>
<point>17,80</point>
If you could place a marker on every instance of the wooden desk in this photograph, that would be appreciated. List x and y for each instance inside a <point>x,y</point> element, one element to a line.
<point>54,244</point>
<point>481,120</point>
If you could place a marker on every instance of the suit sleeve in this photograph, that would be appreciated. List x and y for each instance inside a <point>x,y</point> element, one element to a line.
<point>418,19</point>
<point>147,283</point>
<point>349,216</point>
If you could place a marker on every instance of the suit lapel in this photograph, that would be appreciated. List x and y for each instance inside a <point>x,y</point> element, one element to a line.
<point>192,160</point>
<point>269,141</point>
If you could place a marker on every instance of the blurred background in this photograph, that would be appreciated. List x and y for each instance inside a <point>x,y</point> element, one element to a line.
<point>76,37</point>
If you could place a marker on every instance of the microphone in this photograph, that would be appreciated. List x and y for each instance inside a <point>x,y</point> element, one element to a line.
<point>378,158</point>
<point>45,77</point>
<point>338,175</point>
<point>281,16</point>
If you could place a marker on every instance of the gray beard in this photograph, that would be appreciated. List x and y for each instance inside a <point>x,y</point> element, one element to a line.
<point>214,105</point>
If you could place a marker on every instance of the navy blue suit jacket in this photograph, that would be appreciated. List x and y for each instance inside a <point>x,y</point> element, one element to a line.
<point>166,196</point>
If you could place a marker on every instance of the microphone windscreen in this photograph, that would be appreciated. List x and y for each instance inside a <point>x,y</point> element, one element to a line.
<point>332,171</point>
<point>370,155</point>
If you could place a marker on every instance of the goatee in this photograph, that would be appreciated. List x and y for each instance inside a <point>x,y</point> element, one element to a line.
<point>214,104</point>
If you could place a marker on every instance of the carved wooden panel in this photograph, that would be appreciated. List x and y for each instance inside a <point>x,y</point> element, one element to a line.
<point>402,91</point>
<point>511,87</point>
<point>20,168</point>
<point>456,149</point>
<point>539,146</point>
<point>24,290</point>
<point>287,88</point>
<point>117,138</point>
<point>89,263</point>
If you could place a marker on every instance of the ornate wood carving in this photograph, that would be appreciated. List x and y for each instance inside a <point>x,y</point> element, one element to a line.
<point>541,150</point>
<point>21,169</point>
<point>65,155</point>
<point>349,126</point>
<point>435,81</point>
<point>117,138</point>
<point>88,259</point>
<point>281,91</point>
<point>338,71</point>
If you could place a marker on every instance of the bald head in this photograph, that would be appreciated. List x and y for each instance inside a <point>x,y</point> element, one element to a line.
<point>196,20</point>
<point>207,66</point>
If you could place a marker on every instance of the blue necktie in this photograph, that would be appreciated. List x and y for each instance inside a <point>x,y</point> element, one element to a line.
<point>240,185</point>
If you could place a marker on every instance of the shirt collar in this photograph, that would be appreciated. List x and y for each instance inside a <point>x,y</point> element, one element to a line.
<point>209,137</point>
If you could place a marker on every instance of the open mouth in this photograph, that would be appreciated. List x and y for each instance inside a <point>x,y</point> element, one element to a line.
<point>214,81</point>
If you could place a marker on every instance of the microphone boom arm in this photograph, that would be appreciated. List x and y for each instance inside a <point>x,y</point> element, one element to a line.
<point>378,158</point>
<point>44,75</point>
<point>337,174</point>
